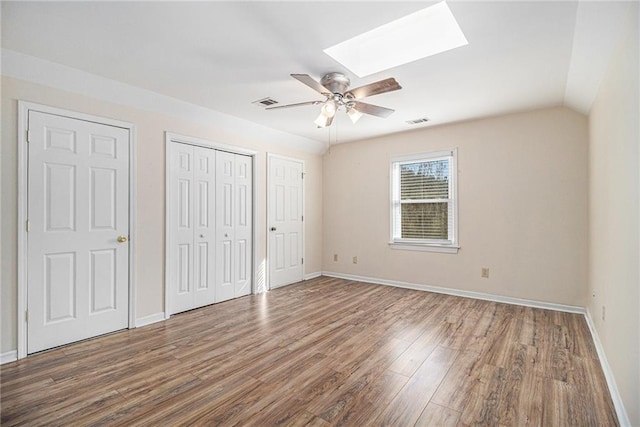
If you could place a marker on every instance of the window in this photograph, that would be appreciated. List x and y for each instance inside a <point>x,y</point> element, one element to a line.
<point>424,202</point>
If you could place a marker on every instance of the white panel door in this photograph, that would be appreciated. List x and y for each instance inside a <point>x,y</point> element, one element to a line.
<point>181,250</point>
<point>234,225</point>
<point>243,225</point>
<point>285,221</point>
<point>78,209</point>
<point>225,224</point>
<point>204,226</point>
<point>193,228</point>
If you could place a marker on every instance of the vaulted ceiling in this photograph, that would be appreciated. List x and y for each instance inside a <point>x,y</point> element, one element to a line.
<point>225,55</point>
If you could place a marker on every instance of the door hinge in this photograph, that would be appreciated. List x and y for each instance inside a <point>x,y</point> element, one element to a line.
<point>28,226</point>
<point>26,315</point>
<point>302,175</point>
<point>302,217</point>
<point>302,260</point>
<point>28,136</point>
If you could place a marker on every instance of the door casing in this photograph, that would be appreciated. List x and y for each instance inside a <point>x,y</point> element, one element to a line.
<point>24,108</point>
<point>171,137</point>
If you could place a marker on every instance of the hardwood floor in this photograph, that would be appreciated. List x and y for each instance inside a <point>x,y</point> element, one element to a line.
<point>324,352</point>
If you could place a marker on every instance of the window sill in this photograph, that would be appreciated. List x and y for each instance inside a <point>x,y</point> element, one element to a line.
<point>447,249</point>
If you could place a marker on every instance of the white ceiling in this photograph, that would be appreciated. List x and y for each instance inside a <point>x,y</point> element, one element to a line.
<point>225,55</point>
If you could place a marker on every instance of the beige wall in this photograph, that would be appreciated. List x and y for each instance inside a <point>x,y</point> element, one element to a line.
<point>522,187</point>
<point>149,257</point>
<point>614,218</point>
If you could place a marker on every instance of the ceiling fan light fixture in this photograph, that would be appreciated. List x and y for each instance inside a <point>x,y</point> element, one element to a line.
<point>327,112</point>
<point>329,108</point>
<point>322,121</point>
<point>354,114</point>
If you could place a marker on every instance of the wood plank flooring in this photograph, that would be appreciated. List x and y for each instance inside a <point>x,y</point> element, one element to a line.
<point>323,352</point>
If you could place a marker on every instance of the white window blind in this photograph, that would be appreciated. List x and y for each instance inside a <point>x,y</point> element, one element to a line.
<point>423,199</point>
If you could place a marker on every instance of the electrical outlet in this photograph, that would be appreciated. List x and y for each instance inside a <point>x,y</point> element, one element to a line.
<point>603,312</point>
<point>485,272</point>
<point>355,259</point>
<point>335,257</point>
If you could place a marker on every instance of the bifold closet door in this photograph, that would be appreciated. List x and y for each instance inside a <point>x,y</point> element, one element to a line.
<point>233,225</point>
<point>243,224</point>
<point>193,227</point>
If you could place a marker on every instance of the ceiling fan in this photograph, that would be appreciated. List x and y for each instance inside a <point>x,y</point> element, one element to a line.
<point>335,87</point>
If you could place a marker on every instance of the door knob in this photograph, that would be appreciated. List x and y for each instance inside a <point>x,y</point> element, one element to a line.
<point>122,239</point>
<point>202,235</point>
<point>273,229</point>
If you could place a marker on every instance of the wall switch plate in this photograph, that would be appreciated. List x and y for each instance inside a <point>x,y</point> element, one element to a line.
<point>335,257</point>
<point>355,259</point>
<point>485,272</point>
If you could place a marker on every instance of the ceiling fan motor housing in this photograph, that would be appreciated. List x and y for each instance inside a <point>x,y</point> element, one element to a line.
<point>337,83</point>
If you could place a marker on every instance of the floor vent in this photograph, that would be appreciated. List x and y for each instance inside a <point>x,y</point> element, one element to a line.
<point>265,102</point>
<point>418,121</point>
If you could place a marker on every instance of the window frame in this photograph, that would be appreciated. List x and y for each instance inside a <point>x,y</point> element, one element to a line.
<point>431,245</point>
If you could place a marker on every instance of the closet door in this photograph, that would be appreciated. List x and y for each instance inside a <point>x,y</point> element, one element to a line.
<point>181,284</point>
<point>225,210</point>
<point>234,225</point>
<point>243,225</point>
<point>204,226</point>
<point>192,217</point>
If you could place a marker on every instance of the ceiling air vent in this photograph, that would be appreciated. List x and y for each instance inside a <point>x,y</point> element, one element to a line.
<point>265,102</point>
<point>418,121</point>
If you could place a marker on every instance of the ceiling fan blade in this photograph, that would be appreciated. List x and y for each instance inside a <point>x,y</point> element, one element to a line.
<point>373,110</point>
<point>382,86</point>
<point>312,83</point>
<point>299,104</point>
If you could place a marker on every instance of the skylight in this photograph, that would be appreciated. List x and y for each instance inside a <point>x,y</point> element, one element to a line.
<point>418,35</point>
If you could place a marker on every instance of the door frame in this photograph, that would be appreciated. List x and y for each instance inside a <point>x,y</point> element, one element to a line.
<point>268,226</point>
<point>170,138</point>
<point>24,107</point>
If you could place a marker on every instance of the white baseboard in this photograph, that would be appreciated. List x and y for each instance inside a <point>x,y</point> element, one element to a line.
<point>152,318</point>
<point>461,293</point>
<point>312,275</point>
<point>8,356</point>
<point>623,418</point>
